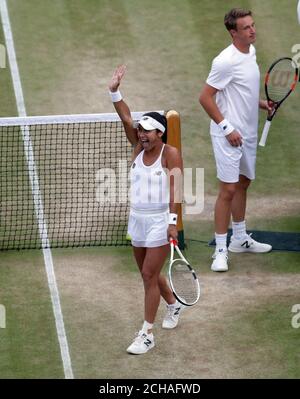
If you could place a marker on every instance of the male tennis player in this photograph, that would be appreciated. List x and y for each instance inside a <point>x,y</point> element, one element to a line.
<point>231,98</point>
<point>153,210</point>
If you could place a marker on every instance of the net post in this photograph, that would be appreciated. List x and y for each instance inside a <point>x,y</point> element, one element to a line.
<point>174,139</point>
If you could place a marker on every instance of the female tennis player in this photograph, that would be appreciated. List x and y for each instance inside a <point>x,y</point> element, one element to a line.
<point>154,199</point>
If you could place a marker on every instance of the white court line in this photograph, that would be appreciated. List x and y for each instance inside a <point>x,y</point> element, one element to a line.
<point>39,211</point>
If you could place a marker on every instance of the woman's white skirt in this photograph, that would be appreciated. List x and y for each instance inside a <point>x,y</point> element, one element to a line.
<point>148,228</point>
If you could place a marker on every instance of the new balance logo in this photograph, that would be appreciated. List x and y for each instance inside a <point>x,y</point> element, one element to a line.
<point>176,311</point>
<point>147,342</point>
<point>246,244</point>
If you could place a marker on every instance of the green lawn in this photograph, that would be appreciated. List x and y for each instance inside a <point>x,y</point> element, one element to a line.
<point>28,344</point>
<point>262,340</point>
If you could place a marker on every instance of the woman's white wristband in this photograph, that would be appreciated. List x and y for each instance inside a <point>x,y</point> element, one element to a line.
<point>226,127</point>
<point>173,218</point>
<point>115,96</point>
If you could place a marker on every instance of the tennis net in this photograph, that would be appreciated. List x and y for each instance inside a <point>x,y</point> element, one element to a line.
<point>51,169</point>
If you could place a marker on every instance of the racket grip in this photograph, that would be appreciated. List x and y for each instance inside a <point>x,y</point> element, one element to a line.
<point>264,135</point>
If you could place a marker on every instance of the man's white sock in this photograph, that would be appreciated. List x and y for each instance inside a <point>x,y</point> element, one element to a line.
<point>221,241</point>
<point>239,230</point>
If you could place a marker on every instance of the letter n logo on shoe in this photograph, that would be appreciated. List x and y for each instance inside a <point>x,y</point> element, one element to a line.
<point>246,244</point>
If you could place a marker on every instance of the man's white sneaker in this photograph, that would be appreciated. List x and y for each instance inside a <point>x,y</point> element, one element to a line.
<point>220,258</point>
<point>247,244</point>
<point>171,318</point>
<point>141,344</point>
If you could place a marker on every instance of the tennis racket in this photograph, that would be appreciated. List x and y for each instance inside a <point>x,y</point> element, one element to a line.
<point>183,280</point>
<point>280,81</point>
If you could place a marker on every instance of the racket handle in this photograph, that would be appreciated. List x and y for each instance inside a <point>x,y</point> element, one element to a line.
<point>174,242</point>
<point>264,135</point>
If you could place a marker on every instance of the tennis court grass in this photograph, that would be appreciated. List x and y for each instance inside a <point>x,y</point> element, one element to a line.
<point>262,340</point>
<point>28,344</point>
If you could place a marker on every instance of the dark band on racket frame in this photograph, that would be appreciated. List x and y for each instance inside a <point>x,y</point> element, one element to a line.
<point>296,77</point>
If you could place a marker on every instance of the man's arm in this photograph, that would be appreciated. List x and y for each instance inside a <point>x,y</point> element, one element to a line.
<point>208,102</point>
<point>121,107</point>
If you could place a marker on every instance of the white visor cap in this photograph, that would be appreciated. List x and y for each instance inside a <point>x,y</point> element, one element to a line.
<point>149,123</point>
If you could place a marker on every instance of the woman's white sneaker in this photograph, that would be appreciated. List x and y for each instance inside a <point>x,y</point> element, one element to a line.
<point>141,344</point>
<point>172,317</point>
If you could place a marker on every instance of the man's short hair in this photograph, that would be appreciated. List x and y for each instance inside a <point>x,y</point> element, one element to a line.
<point>232,16</point>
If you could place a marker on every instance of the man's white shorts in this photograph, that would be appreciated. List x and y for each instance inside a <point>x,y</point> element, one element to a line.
<point>148,229</point>
<point>234,161</point>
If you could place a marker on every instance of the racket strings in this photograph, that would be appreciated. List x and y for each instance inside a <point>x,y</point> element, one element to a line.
<point>281,80</point>
<point>184,283</point>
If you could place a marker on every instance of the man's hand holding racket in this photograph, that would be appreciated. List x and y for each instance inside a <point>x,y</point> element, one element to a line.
<point>280,82</point>
<point>267,106</point>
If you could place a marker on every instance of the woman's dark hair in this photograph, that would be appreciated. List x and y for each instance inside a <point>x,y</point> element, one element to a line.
<point>161,119</point>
